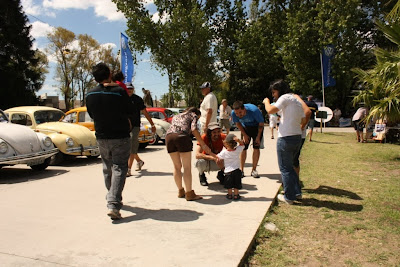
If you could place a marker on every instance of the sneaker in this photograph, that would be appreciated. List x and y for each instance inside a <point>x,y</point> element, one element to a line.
<point>299,197</point>
<point>128,173</point>
<point>203,179</point>
<point>114,214</point>
<point>254,173</point>
<point>139,165</point>
<point>282,198</point>
<point>221,177</point>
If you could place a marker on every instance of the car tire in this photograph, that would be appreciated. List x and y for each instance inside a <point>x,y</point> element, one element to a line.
<point>57,158</point>
<point>155,140</point>
<point>143,145</point>
<point>43,166</point>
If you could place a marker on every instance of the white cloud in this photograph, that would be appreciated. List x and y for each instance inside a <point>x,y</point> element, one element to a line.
<point>109,45</point>
<point>102,8</point>
<point>40,29</point>
<point>156,17</point>
<point>30,8</point>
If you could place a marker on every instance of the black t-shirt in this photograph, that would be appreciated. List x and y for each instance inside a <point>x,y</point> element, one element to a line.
<point>139,105</point>
<point>313,106</point>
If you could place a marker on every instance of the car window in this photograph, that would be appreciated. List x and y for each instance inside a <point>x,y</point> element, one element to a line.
<point>21,118</point>
<point>161,116</point>
<point>3,117</point>
<point>154,114</point>
<point>67,118</point>
<point>170,113</point>
<point>43,116</point>
<point>84,116</point>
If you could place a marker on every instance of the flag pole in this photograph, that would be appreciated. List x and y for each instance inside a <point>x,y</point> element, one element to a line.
<point>120,51</point>
<point>322,77</point>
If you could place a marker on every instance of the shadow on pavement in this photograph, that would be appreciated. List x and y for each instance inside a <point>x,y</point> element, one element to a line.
<point>15,176</point>
<point>144,172</point>
<point>222,200</point>
<point>71,161</point>
<point>327,190</point>
<point>159,215</point>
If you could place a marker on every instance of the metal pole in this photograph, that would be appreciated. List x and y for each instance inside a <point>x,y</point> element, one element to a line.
<point>322,77</point>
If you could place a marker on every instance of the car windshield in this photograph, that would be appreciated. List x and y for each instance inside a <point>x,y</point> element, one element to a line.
<point>3,117</point>
<point>43,116</point>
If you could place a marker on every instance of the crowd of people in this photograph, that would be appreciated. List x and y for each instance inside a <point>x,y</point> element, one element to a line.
<point>117,128</point>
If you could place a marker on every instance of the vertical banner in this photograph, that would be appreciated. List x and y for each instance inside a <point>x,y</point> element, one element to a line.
<point>126,59</point>
<point>327,56</point>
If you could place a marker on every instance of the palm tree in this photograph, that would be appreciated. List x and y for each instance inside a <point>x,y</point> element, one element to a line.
<point>381,93</point>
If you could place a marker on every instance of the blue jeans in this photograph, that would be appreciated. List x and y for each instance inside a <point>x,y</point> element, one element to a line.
<point>287,147</point>
<point>114,154</point>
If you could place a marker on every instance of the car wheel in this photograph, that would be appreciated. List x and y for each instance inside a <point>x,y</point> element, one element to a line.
<point>143,145</point>
<point>43,166</point>
<point>57,158</point>
<point>155,140</point>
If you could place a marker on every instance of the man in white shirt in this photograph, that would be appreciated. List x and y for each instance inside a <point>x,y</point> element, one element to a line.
<point>225,116</point>
<point>208,107</point>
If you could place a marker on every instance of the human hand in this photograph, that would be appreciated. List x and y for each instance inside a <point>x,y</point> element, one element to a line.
<point>266,101</point>
<point>246,139</point>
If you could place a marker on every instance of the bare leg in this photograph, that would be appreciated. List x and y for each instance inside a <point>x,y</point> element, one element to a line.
<point>176,159</point>
<point>256,157</point>
<point>243,159</point>
<point>310,133</point>
<point>186,158</point>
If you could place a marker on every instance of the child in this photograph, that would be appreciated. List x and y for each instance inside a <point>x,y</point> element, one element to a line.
<point>231,156</point>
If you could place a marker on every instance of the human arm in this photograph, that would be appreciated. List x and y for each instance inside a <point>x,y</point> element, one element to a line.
<point>208,118</point>
<point>201,155</point>
<point>307,112</point>
<point>202,144</point>
<point>268,107</point>
<point>245,136</point>
<point>148,117</point>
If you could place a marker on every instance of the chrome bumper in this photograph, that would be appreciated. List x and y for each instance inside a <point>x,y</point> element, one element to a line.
<point>94,150</point>
<point>29,159</point>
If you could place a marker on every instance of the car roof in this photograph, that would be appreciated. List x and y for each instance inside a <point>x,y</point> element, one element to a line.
<point>30,109</point>
<point>77,109</point>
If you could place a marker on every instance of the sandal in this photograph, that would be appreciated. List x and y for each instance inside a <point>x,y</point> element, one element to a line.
<point>236,197</point>
<point>228,196</point>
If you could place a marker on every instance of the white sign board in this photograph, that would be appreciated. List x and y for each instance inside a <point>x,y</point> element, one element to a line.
<point>329,114</point>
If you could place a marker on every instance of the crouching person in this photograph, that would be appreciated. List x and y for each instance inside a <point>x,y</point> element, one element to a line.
<point>207,163</point>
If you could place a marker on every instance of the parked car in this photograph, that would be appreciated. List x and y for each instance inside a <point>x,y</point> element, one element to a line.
<point>161,129</point>
<point>161,113</point>
<point>21,145</point>
<point>177,110</point>
<point>70,139</point>
<point>81,116</point>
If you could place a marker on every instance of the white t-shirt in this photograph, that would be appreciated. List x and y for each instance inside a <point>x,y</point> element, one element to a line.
<point>225,115</point>
<point>209,101</point>
<point>231,158</point>
<point>292,113</point>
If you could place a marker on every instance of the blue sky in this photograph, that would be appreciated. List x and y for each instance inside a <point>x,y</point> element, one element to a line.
<point>98,18</point>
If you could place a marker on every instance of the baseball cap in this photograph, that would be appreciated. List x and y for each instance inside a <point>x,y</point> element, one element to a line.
<point>310,97</point>
<point>213,126</point>
<point>223,100</point>
<point>205,85</point>
<point>129,86</point>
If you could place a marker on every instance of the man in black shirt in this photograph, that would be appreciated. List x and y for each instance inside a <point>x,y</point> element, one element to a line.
<point>135,119</point>
<point>314,109</point>
<point>110,109</point>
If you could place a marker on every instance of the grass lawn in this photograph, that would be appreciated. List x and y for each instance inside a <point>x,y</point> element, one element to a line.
<point>350,213</point>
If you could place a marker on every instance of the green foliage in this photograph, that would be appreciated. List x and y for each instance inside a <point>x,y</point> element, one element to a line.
<point>74,63</point>
<point>20,66</point>
<point>381,84</point>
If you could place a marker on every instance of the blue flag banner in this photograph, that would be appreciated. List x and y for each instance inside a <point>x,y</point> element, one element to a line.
<point>327,56</point>
<point>126,59</point>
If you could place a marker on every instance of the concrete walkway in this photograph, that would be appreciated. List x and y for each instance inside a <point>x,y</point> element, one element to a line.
<point>60,219</point>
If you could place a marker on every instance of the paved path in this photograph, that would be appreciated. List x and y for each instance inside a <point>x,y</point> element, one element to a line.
<point>59,217</point>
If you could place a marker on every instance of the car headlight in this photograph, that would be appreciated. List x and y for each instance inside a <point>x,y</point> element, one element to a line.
<point>69,141</point>
<point>47,141</point>
<point>3,147</point>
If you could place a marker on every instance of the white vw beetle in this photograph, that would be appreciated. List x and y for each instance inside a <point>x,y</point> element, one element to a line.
<point>21,145</point>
